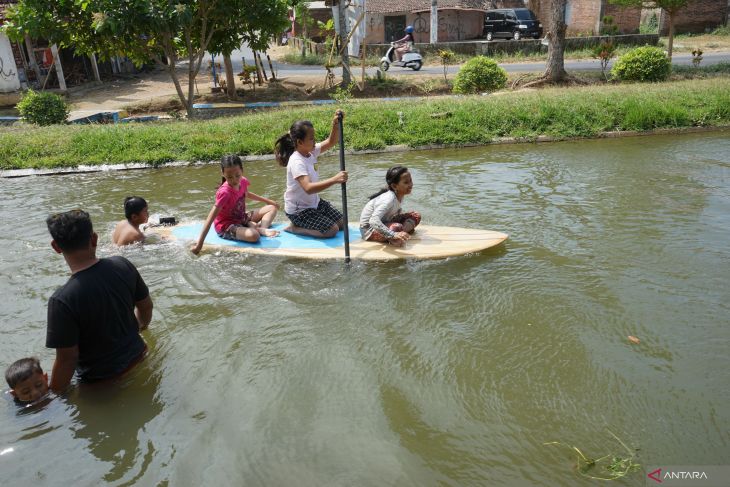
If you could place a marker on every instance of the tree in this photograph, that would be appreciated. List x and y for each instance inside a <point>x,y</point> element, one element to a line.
<point>344,56</point>
<point>671,7</point>
<point>555,35</point>
<point>150,30</point>
<point>556,27</point>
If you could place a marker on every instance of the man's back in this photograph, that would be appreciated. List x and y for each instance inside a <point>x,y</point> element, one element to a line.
<point>94,310</point>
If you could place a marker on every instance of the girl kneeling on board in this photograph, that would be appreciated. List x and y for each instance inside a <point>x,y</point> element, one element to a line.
<point>382,219</point>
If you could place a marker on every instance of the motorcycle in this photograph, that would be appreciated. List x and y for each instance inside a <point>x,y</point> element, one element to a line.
<point>411,59</point>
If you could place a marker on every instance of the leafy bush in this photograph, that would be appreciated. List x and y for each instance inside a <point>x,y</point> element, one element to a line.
<point>642,64</point>
<point>480,74</point>
<point>43,108</point>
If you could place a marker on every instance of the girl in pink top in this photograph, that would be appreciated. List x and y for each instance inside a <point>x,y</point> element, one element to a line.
<point>229,215</point>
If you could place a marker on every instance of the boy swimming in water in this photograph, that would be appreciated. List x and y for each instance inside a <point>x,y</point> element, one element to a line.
<point>26,379</point>
<point>127,231</point>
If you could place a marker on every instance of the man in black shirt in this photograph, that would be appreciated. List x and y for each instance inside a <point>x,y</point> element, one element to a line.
<point>95,318</point>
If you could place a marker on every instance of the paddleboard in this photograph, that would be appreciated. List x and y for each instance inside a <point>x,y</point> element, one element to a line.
<point>427,242</point>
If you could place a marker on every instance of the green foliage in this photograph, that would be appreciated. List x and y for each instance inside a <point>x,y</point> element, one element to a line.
<point>558,112</point>
<point>478,75</point>
<point>651,26</point>
<point>295,57</point>
<point>642,64</point>
<point>607,467</point>
<point>160,30</point>
<point>723,30</point>
<point>447,57</point>
<point>608,28</point>
<point>43,108</point>
<point>343,94</point>
<point>604,52</point>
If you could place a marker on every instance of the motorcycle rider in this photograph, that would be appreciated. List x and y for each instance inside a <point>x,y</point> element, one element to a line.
<point>405,44</point>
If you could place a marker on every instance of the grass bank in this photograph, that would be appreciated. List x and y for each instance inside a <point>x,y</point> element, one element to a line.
<point>559,112</point>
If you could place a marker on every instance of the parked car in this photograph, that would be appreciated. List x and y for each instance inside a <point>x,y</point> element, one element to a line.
<point>511,23</point>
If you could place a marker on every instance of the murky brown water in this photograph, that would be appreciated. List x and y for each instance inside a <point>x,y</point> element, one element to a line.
<point>456,372</point>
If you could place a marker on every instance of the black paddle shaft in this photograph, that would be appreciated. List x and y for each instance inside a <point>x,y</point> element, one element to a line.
<point>344,189</point>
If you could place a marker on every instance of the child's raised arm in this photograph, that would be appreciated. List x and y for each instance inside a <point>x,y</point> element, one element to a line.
<point>204,232</point>
<point>334,137</point>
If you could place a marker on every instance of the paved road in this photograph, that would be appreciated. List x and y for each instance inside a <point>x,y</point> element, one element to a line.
<point>286,70</point>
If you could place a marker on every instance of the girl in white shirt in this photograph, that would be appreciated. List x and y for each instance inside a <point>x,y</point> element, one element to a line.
<point>382,219</point>
<point>297,151</point>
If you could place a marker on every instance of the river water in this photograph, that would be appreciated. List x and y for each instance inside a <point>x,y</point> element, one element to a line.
<point>271,371</point>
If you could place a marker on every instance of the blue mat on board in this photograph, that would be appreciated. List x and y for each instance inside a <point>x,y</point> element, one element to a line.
<point>285,240</point>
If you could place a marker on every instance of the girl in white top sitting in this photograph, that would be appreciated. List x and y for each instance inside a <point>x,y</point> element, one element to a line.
<point>382,219</point>
<point>296,150</point>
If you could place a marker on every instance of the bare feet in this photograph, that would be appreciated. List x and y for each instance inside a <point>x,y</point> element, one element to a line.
<point>288,228</point>
<point>269,232</point>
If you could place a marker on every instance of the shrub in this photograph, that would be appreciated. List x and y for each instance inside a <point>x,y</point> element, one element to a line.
<point>642,64</point>
<point>43,108</point>
<point>480,74</point>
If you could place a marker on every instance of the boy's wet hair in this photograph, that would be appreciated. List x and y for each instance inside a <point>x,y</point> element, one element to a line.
<point>71,230</point>
<point>21,370</point>
<point>391,177</point>
<point>133,205</point>
<point>230,160</point>
<point>285,145</point>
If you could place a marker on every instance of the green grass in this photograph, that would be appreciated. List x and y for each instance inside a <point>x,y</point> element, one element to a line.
<point>560,112</point>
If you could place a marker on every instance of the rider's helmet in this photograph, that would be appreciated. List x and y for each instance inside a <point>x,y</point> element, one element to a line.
<point>409,29</point>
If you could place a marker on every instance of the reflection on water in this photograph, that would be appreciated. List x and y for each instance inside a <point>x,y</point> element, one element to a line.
<point>280,371</point>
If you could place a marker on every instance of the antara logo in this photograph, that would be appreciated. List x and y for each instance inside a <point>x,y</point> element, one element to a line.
<point>657,476</point>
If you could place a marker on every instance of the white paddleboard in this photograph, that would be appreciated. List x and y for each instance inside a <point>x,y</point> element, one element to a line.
<point>427,242</point>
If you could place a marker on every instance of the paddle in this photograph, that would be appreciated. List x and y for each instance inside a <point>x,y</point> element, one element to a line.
<point>344,189</point>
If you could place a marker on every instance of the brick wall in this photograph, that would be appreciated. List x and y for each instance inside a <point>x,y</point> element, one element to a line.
<point>582,16</point>
<point>626,18</point>
<point>697,16</point>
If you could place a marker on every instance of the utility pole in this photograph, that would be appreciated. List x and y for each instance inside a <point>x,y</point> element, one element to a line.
<point>343,48</point>
<point>434,38</point>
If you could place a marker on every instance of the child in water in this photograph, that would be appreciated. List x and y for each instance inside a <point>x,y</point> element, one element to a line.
<point>127,231</point>
<point>229,215</point>
<point>297,151</point>
<point>26,379</point>
<point>382,219</point>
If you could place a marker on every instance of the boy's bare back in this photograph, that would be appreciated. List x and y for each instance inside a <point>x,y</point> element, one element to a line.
<point>125,234</point>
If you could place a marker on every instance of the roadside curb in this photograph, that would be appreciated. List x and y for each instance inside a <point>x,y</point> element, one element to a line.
<point>18,173</point>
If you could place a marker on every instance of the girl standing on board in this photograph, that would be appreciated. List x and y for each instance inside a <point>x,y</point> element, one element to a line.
<point>229,214</point>
<point>296,150</point>
<point>382,219</point>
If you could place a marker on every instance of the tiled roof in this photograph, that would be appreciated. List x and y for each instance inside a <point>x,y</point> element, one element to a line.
<point>385,6</point>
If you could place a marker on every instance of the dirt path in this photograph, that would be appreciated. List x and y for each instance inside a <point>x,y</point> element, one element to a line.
<point>118,93</point>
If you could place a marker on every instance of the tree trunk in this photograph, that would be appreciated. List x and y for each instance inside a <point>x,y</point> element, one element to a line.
<point>345,56</point>
<point>230,81</point>
<point>556,27</point>
<point>173,74</point>
<point>670,42</point>
<point>192,72</point>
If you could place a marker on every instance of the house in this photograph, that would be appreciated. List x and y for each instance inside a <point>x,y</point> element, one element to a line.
<point>458,20</point>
